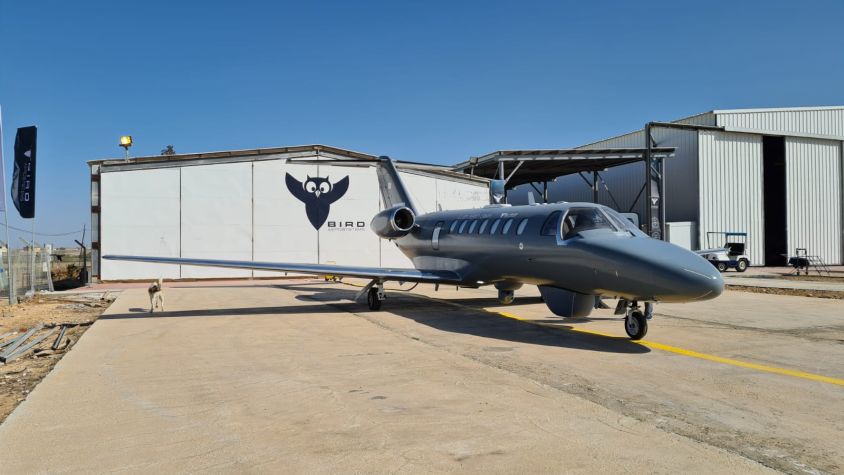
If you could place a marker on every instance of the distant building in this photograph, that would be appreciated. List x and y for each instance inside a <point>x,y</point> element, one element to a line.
<point>775,174</point>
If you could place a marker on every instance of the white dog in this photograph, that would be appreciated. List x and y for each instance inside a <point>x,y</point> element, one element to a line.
<point>156,295</point>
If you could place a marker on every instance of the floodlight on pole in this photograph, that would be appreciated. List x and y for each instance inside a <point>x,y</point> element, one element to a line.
<point>126,142</point>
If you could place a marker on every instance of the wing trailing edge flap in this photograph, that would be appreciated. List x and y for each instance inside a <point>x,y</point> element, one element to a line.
<point>404,275</point>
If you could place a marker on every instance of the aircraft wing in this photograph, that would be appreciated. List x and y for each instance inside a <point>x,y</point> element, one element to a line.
<point>404,275</point>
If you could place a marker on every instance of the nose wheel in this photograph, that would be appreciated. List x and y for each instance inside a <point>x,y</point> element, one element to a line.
<point>506,297</point>
<point>635,321</point>
<point>635,324</point>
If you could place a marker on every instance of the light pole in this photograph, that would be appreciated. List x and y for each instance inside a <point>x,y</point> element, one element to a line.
<point>126,142</point>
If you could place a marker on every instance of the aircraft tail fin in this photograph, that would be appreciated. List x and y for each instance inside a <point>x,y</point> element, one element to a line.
<point>393,191</point>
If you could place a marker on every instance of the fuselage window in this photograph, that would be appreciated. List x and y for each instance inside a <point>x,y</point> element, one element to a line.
<point>472,226</point>
<point>549,228</point>
<point>522,225</point>
<point>435,238</point>
<point>462,227</point>
<point>483,226</point>
<point>494,226</point>
<point>507,225</point>
<point>584,219</point>
<point>453,225</point>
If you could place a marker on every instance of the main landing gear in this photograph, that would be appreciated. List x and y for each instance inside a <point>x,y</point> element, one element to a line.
<point>635,320</point>
<point>374,292</point>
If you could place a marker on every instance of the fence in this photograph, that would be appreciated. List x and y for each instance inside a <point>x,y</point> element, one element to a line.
<point>28,272</point>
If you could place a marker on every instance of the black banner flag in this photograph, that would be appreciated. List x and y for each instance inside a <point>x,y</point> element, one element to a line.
<point>23,180</point>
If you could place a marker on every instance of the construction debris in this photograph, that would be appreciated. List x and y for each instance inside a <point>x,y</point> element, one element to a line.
<point>59,338</point>
<point>10,356</point>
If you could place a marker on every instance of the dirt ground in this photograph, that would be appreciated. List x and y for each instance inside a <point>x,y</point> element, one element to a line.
<point>77,311</point>
<point>822,294</point>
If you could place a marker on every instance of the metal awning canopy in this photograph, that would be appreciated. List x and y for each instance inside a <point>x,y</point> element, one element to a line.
<point>520,167</point>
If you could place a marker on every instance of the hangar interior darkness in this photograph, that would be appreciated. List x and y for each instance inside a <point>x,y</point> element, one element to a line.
<point>774,198</point>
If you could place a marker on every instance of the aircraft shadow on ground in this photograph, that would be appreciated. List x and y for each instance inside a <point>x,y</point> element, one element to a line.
<point>436,314</point>
<point>472,321</point>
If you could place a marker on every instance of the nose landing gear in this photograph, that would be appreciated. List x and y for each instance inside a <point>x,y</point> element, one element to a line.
<point>506,297</point>
<point>635,321</point>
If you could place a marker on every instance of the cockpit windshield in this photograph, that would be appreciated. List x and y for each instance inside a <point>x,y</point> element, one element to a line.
<point>620,221</point>
<point>585,219</point>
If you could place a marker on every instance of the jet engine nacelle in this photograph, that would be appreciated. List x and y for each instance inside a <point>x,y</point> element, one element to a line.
<point>394,222</point>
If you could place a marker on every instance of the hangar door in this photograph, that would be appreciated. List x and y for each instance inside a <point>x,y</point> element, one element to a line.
<point>813,197</point>
<point>731,197</point>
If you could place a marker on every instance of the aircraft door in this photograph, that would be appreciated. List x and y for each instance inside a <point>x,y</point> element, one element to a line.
<point>435,237</point>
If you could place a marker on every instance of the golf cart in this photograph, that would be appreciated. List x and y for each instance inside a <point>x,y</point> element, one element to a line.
<point>731,254</point>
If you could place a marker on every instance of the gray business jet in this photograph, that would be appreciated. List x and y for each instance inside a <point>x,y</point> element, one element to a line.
<point>576,253</point>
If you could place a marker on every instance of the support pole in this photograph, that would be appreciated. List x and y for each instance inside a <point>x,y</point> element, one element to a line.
<point>545,192</point>
<point>9,276</point>
<point>648,172</point>
<point>595,187</point>
<point>662,224</point>
<point>32,260</point>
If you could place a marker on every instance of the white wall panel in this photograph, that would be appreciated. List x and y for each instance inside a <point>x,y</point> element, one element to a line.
<point>461,195</point>
<point>731,194</point>
<point>423,191</point>
<point>813,192</point>
<point>350,241</point>
<point>282,232</point>
<point>217,217</point>
<point>819,121</point>
<point>140,216</point>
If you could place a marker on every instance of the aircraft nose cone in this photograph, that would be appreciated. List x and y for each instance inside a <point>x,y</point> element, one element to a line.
<point>704,282</point>
<point>649,269</point>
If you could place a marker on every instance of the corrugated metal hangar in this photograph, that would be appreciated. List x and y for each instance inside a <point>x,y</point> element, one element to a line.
<point>775,174</point>
<point>237,205</point>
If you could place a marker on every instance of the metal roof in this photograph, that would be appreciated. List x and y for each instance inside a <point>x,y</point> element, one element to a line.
<point>776,109</point>
<point>299,153</point>
<point>532,166</point>
<point>298,149</point>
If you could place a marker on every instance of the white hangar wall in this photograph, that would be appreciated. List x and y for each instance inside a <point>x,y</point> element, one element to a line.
<point>813,197</point>
<point>731,194</point>
<point>244,211</point>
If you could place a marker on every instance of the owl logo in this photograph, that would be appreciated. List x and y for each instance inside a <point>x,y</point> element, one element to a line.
<point>317,193</point>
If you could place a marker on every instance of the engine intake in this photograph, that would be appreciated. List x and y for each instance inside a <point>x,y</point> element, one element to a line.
<point>394,222</point>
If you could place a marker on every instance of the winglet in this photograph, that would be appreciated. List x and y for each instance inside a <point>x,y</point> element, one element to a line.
<point>393,191</point>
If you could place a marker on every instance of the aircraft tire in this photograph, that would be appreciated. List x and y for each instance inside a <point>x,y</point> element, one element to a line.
<point>636,325</point>
<point>372,299</point>
<point>506,297</point>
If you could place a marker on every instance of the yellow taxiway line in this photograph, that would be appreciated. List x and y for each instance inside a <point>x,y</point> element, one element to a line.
<point>660,346</point>
<point>692,354</point>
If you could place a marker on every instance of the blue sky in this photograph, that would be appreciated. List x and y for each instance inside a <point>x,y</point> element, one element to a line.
<point>432,81</point>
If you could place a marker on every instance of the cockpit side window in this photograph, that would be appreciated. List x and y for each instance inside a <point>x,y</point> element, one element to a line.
<point>584,219</point>
<point>549,228</point>
<point>618,220</point>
